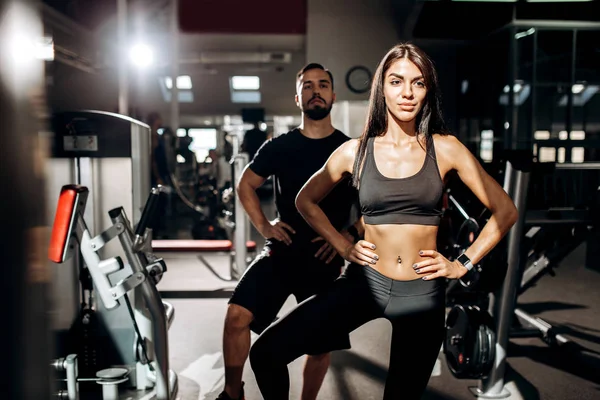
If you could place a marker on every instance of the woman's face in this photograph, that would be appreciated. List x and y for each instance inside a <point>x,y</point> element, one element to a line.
<point>404,90</point>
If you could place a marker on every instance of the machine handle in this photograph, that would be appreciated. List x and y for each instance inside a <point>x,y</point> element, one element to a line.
<point>148,214</point>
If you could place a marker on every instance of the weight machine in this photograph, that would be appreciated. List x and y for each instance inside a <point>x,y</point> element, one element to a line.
<point>109,154</point>
<point>477,334</point>
<point>152,351</point>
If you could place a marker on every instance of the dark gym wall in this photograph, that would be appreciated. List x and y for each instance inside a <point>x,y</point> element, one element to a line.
<point>342,34</point>
<point>242,16</point>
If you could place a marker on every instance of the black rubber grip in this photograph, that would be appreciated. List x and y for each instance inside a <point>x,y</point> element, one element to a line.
<point>149,212</point>
<point>115,212</point>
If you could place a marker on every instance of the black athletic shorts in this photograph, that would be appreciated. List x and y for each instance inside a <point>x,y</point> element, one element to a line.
<point>278,272</point>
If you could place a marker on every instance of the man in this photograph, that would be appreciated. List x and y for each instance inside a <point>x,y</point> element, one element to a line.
<point>294,260</point>
<point>159,172</point>
<point>253,140</point>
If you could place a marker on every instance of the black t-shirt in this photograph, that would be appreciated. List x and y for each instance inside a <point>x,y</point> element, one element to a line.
<point>253,140</point>
<point>292,159</point>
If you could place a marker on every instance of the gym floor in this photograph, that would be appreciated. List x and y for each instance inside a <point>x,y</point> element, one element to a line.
<point>569,301</point>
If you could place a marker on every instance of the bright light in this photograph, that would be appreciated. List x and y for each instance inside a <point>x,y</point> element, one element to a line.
<point>528,32</point>
<point>577,154</point>
<point>22,49</point>
<point>563,135</point>
<point>183,82</point>
<point>141,55</point>
<point>245,82</point>
<point>577,135</point>
<point>517,87</point>
<point>44,49</point>
<point>547,154</point>
<point>561,155</point>
<point>486,147</point>
<point>487,134</point>
<point>263,126</point>
<point>541,135</point>
<point>577,88</point>
<point>20,32</point>
<point>245,97</point>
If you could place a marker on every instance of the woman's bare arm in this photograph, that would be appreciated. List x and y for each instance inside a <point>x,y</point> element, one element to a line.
<point>488,191</point>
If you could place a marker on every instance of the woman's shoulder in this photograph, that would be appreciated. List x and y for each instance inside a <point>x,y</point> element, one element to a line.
<point>446,142</point>
<point>349,147</point>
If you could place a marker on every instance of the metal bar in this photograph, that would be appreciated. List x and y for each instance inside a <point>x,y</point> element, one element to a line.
<point>544,327</point>
<point>72,372</point>
<point>122,51</point>
<point>502,304</point>
<point>514,108</point>
<point>174,67</point>
<point>555,24</point>
<point>578,166</point>
<point>536,268</point>
<point>170,313</point>
<point>509,132</point>
<point>173,383</point>
<point>242,225</point>
<point>458,207</point>
<point>556,216</point>
<point>533,91</point>
<point>569,117</point>
<point>156,309</point>
<point>101,281</point>
<point>522,333</point>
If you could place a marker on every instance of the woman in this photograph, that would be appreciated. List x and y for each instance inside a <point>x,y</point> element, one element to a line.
<point>399,165</point>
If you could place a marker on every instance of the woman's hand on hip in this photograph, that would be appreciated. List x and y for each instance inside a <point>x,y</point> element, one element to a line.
<point>361,253</point>
<point>436,265</point>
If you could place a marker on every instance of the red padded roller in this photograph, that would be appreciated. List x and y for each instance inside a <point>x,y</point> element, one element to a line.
<point>64,221</point>
<point>197,246</point>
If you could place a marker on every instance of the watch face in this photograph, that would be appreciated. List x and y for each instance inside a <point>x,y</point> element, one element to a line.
<point>358,79</point>
<point>464,260</point>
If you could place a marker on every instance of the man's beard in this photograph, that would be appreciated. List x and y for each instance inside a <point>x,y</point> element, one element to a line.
<point>317,113</point>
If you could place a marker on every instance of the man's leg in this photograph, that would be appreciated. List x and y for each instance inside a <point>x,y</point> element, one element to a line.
<point>253,306</point>
<point>315,369</point>
<point>236,346</point>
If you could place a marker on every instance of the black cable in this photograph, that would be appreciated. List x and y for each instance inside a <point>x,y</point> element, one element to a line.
<point>137,331</point>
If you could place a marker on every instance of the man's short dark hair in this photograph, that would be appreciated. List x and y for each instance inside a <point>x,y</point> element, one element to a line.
<point>310,66</point>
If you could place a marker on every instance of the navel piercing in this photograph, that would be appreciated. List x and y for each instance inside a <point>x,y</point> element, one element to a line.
<point>399,260</point>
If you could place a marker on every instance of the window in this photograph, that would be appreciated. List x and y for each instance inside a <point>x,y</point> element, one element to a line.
<point>486,145</point>
<point>203,140</point>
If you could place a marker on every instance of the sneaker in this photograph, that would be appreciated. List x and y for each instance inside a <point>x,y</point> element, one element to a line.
<point>225,396</point>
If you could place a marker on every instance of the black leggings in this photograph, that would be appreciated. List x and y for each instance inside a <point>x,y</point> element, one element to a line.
<point>415,309</point>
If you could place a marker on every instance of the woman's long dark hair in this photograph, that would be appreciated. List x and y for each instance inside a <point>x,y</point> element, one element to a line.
<point>429,121</point>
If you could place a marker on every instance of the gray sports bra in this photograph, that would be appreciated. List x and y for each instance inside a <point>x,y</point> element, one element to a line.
<point>416,199</point>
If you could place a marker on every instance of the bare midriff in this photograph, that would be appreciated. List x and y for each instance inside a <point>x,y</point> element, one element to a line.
<point>398,248</point>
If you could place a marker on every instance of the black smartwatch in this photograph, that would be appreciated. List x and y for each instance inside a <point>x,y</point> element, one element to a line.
<point>354,232</point>
<point>465,261</point>
<point>472,276</point>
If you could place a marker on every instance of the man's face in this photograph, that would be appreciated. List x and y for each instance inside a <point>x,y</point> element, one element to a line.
<point>314,94</point>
